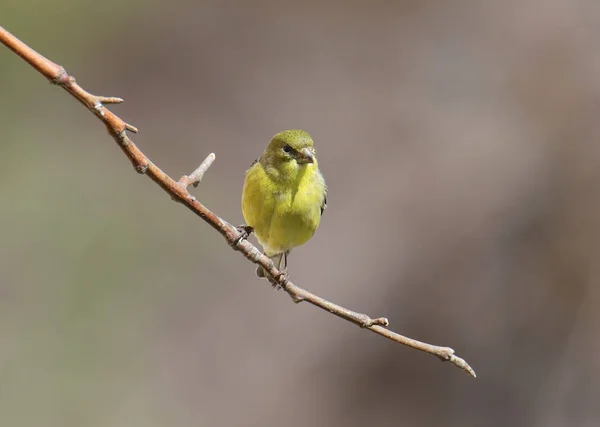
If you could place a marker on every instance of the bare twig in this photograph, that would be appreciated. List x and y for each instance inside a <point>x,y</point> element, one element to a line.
<point>178,190</point>
<point>195,177</point>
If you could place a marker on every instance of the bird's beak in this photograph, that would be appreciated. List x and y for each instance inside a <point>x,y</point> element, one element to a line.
<point>305,156</point>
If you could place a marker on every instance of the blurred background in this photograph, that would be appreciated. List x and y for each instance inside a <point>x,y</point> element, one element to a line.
<point>460,144</point>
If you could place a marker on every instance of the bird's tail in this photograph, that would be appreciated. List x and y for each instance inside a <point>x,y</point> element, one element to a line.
<point>260,272</point>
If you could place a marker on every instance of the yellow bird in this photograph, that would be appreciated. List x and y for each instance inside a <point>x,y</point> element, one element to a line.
<point>284,195</point>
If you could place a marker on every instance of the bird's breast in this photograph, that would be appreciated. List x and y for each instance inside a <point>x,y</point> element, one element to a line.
<point>283,216</point>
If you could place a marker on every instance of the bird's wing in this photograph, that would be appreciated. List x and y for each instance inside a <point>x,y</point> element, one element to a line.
<point>324,204</point>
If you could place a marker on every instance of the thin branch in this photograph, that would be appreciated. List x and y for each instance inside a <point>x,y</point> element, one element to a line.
<point>195,177</point>
<point>117,128</point>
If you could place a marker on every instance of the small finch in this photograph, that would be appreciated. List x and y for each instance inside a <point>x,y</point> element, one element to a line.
<point>284,195</point>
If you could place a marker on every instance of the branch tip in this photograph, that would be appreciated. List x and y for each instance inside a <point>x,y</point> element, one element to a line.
<point>462,363</point>
<point>131,128</point>
<point>365,321</point>
<point>198,174</point>
<point>195,177</point>
<point>109,99</point>
<point>381,321</point>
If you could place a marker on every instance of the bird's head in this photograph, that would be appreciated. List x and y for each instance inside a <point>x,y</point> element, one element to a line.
<point>289,152</point>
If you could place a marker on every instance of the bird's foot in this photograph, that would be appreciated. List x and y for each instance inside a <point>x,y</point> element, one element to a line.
<point>281,280</point>
<point>245,232</point>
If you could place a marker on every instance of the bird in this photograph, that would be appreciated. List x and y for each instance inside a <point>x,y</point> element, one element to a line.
<point>284,196</point>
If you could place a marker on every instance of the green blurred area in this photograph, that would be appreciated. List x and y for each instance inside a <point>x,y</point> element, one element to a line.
<point>85,260</point>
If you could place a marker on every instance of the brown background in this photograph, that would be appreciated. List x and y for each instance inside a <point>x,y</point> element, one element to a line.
<point>460,144</point>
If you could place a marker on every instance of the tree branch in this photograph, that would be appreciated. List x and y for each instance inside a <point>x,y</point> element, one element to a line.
<point>117,128</point>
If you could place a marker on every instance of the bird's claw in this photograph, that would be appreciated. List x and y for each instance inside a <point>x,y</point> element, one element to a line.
<point>281,280</point>
<point>245,232</point>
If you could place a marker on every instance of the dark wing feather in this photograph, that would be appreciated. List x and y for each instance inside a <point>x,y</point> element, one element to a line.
<point>324,204</point>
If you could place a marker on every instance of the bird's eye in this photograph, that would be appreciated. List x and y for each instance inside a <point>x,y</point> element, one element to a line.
<point>287,149</point>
